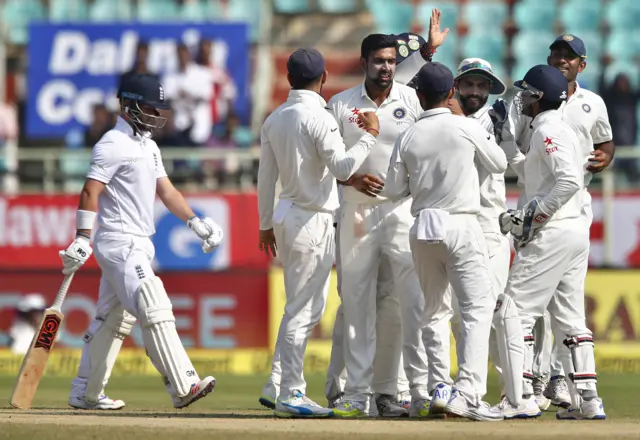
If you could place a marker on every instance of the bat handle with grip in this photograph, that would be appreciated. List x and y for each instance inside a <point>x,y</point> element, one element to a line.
<point>62,292</point>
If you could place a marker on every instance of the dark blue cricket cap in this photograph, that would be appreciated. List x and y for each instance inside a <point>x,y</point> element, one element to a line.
<point>546,79</point>
<point>306,64</point>
<point>434,78</point>
<point>145,89</point>
<point>574,43</point>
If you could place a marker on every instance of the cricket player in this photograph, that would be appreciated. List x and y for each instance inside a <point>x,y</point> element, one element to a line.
<point>370,226</point>
<point>549,269</point>
<point>301,145</point>
<point>434,162</point>
<point>586,113</point>
<point>125,175</point>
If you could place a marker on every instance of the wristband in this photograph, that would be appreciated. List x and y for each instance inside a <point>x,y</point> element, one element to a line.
<point>83,235</point>
<point>377,132</point>
<point>85,219</point>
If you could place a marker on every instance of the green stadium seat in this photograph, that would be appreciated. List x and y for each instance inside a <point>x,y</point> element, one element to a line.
<point>579,16</point>
<point>17,14</point>
<point>488,45</point>
<point>199,10</point>
<point>338,6</point>
<point>594,43</point>
<point>448,54</point>
<point>292,6</point>
<point>157,10</point>
<point>631,69</point>
<point>623,14</point>
<point>246,10</point>
<point>590,77</point>
<point>482,15</point>
<point>532,48</point>
<point>535,15</point>
<point>68,10</point>
<point>391,16</point>
<point>620,45</point>
<point>110,10</point>
<point>449,19</point>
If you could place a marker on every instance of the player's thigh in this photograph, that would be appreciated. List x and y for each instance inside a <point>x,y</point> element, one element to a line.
<point>359,248</point>
<point>107,298</point>
<point>430,265</point>
<point>499,259</point>
<point>536,272</point>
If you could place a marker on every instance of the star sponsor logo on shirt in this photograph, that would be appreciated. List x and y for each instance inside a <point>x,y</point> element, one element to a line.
<point>354,115</point>
<point>550,147</point>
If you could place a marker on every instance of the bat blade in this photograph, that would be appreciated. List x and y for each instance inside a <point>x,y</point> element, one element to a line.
<point>35,361</point>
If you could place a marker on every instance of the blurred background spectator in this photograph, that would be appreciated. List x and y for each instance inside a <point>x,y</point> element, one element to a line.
<point>25,324</point>
<point>101,122</point>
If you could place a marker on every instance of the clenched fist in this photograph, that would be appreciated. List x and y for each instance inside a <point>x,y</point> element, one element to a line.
<point>369,120</point>
<point>76,255</point>
<point>208,231</point>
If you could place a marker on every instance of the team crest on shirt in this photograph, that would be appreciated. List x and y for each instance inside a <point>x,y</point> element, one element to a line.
<point>400,113</point>
<point>586,108</point>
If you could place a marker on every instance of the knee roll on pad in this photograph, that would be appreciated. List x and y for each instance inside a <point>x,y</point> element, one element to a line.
<point>154,305</point>
<point>103,342</point>
<point>510,342</point>
<point>584,363</point>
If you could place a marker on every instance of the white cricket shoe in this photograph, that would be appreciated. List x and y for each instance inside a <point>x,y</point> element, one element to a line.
<point>351,409</point>
<point>528,409</point>
<point>439,399</point>
<point>558,392</point>
<point>300,406</point>
<point>589,410</point>
<point>198,391</point>
<point>269,395</point>
<point>458,406</point>
<point>267,401</point>
<point>539,385</point>
<point>419,408</point>
<point>388,407</point>
<point>103,403</point>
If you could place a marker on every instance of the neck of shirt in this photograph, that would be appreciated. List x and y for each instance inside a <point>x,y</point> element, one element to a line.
<point>382,97</point>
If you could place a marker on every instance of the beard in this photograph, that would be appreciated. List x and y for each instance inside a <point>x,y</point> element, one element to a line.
<point>472,103</point>
<point>380,82</point>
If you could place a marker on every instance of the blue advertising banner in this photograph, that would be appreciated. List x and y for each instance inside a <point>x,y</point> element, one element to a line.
<point>73,67</point>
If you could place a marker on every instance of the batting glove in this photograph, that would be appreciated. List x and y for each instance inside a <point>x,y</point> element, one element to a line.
<point>208,231</point>
<point>76,255</point>
<point>499,114</point>
<point>523,223</point>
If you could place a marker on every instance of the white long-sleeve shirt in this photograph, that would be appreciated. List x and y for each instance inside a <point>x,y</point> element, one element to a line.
<point>397,113</point>
<point>129,165</point>
<point>434,161</point>
<point>553,167</point>
<point>301,144</point>
<point>493,192</point>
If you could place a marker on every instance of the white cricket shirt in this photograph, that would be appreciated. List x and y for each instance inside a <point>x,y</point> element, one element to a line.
<point>301,144</point>
<point>129,165</point>
<point>553,167</point>
<point>493,192</point>
<point>435,162</point>
<point>397,113</point>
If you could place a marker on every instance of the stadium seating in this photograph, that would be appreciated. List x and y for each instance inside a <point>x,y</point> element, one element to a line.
<point>111,10</point>
<point>482,14</point>
<point>621,46</point>
<point>590,77</point>
<point>594,43</point>
<point>623,14</point>
<point>246,10</point>
<point>627,67</point>
<point>448,53</point>
<point>338,6</point>
<point>577,16</point>
<point>198,11</point>
<point>17,14</point>
<point>535,15</point>
<point>292,6</point>
<point>450,15</point>
<point>532,48</point>
<point>157,10</point>
<point>391,16</point>
<point>68,10</point>
<point>488,45</point>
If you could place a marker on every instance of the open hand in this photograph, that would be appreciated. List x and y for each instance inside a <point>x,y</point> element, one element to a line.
<point>436,36</point>
<point>366,184</point>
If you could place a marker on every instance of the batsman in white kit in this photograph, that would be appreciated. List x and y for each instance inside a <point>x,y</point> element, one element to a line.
<point>301,144</point>
<point>125,175</point>
<point>550,266</point>
<point>434,162</point>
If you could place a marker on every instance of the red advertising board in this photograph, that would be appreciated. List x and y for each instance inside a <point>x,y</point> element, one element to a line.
<point>228,309</point>
<point>33,228</point>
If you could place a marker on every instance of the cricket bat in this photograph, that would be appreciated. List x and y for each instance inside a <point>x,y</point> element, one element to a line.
<point>35,360</point>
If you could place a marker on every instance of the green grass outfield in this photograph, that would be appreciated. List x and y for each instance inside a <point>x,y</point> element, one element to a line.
<point>232,411</point>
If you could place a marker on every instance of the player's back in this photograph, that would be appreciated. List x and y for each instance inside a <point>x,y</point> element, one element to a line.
<point>304,178</point>
<point>440,160</point>
<point>129,165</point>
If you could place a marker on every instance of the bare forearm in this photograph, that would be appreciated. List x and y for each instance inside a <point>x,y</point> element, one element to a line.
<point>177,205</point>
<point>607,147</point>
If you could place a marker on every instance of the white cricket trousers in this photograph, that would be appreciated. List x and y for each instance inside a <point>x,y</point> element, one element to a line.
<point>367,233</point>
<point>461,260</point>
<point>549,273</point>
<point>547,349</point>
<point>305,241</point>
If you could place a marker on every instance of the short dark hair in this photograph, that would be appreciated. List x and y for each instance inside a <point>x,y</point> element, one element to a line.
<point>375,42</point>
<point>431,99</point>
<point>304,83</point>
<point>549,105</point>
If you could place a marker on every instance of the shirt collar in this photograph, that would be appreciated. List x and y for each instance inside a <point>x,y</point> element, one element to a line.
<point>434,111</point>
<point>480,113</point>
<point>394,93</point>
<point>543,117</point>
<point>296,95</point>
<point>578,92</point>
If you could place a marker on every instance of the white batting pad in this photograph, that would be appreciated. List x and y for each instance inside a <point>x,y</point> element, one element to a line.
<point>161,338</point>
<point>103,341</point>
<point>584,363</point>
<point>510,342</point>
